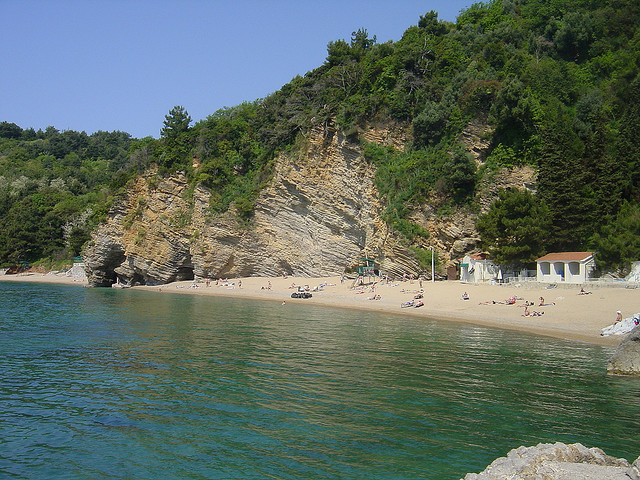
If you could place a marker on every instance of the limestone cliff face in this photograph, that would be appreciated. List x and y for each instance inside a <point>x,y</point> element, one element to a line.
<point>320,213</point>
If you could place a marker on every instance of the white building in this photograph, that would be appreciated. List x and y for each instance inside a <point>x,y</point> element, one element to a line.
<point>565,267</point>
<point>477,268</point>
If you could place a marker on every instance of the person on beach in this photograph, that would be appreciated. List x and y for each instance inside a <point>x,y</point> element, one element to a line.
<point>534,313</point>
<point>541,302</point>
<point>465,296</point>
<point>618,317</point>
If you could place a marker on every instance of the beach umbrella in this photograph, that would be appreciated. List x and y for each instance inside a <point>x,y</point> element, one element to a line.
<point>500,275</point>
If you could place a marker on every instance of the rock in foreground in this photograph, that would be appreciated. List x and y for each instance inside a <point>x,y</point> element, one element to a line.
<point>626,359</point>
<point>557,461</point>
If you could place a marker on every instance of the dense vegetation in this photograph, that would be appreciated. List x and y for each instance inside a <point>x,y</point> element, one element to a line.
<point>557,80</point>
<point>54,187</point>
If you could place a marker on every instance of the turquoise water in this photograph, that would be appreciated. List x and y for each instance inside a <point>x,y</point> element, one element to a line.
<point>102,383</point>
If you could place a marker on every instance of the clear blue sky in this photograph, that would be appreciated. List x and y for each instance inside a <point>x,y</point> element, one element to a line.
<point>122,65</point>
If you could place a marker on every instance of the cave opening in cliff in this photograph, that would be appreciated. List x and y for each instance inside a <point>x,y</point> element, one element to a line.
<point>184,273</point>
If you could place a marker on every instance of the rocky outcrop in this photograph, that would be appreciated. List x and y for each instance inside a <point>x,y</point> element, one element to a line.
<point>557,462</point>
<point>626,358</point>
<point>319,214</point>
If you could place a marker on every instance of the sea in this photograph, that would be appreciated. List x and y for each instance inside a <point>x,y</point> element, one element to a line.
<point>125,384</point>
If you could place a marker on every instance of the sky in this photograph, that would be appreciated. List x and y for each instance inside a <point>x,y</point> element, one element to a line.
<point>90,65</point>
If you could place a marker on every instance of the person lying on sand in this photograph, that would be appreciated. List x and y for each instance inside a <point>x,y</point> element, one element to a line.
<point>531,314</point>
<point>583,292</point>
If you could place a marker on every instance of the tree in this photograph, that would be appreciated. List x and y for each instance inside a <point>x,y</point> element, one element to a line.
<point>574,35</point>
<point>176,138</point>
<point>338,52</point>
<point>564,183</point>
<point>10,130</point>
<point>430,24</point>
<point>514,114</point>
<point>429,127</point>
<point>360,39</point>
<point>515,228</point>
<point>460,173</point>
<point>618,243</point>
<point>175,123</point>
<point>628,149</point>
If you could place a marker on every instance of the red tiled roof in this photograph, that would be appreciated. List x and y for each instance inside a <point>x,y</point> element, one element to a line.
<point>565,257</point>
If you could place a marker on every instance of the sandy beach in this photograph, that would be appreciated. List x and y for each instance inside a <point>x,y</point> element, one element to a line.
<point>565,314</point>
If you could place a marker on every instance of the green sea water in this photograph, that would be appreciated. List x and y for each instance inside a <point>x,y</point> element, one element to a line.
<point>102,383</point>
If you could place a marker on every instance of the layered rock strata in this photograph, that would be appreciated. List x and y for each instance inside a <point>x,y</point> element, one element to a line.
<point>318,216</point>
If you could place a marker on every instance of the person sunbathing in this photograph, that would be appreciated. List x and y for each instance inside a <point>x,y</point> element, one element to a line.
<point>527,313</point>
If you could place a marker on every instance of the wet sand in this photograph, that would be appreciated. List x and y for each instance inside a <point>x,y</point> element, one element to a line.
<point>565,314</point>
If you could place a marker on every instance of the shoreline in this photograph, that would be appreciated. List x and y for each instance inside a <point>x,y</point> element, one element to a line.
<point>565,314</point>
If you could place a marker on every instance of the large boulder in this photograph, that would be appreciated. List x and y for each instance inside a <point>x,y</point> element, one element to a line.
<point>626,359</point>
<point>556,461</point>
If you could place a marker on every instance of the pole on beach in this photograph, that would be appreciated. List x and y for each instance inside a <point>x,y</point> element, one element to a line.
<point>433,273</point>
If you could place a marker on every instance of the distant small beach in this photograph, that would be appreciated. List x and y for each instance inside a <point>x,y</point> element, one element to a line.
<point>564,313</point>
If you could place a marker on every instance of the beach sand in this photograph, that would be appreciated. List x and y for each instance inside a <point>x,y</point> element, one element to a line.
<point>567,314</point>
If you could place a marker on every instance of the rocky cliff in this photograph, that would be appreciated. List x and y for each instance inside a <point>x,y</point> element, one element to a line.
<point>319,214</point>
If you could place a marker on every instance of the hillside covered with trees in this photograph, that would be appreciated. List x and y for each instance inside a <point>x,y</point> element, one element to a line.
<point>557,82</point>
